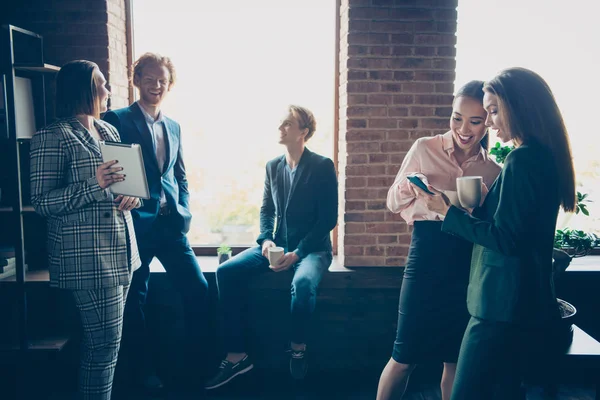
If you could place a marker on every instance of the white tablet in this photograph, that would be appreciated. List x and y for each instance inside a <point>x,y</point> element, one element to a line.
<point>131,160</point>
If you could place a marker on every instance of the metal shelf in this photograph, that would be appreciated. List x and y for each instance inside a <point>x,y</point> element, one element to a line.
<point>38,276</point>
<point>36,68</point>
<point>25,209</point>
<point>52,343</point>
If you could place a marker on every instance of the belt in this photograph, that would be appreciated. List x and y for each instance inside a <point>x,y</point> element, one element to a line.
<point>164,211</point>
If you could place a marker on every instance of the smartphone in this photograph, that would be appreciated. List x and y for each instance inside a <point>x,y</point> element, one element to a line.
<point>417,181</point>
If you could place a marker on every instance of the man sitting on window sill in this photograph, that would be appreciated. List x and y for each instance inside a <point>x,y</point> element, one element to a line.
<point>298,212</point>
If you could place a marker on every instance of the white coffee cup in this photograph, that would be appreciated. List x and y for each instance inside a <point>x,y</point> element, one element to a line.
<point>275,253</point>
<point>453,197</point>
<point>469,190</point>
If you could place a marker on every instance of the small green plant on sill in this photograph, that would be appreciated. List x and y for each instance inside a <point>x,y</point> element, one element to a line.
<point>500,152</point>
<point>223,249</point>
<point>580,206</point>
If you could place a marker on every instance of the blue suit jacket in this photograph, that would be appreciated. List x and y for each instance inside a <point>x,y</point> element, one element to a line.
<point>132,128</point>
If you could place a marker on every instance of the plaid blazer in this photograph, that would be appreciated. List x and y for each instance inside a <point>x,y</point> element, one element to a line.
<point>87,235</point>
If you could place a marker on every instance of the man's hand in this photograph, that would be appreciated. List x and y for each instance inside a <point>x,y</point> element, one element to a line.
<point>437,202</point>
<point>265,247</point>
<point>127,203</point>
<point>285,262</point>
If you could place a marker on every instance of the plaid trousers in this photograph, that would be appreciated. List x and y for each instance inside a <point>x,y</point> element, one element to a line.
<point>101,312</point>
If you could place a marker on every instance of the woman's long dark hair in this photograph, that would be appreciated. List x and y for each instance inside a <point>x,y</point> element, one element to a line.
<point>474,90</point>
<point>531,114</point>
<point>76,91</point>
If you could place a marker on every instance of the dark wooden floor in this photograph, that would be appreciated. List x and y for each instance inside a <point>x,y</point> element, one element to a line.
<point>350,387</point>
<point>322,388</point>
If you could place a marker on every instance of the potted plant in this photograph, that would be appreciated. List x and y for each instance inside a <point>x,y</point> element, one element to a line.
<point>224,253</point>
<point>500,152</point>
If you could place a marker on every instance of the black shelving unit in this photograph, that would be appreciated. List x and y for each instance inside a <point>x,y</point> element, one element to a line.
<point>23,74</point>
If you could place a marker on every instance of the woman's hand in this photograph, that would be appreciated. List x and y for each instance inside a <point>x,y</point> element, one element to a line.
<point>106,174</point>
<point>127,203</point>
<point>438,202</point>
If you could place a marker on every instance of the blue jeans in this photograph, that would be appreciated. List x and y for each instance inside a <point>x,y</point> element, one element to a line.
<point>165,242</point>
<point>232,281</point>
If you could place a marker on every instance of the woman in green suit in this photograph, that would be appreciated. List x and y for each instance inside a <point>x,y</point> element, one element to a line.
<point>515,321</point>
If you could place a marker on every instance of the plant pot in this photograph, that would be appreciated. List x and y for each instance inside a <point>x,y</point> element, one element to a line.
<point>567,312</point>
<point>224,257</point>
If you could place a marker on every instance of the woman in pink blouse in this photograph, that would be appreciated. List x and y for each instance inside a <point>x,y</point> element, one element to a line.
<point>432,313</point>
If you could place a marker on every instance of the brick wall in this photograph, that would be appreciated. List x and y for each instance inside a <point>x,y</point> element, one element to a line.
<point>88,29</point>
<point>397,61</point>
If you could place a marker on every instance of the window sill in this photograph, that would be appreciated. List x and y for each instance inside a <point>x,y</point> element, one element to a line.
<point>209,265</point>
<point>338,276</point>
<point>589,263</point>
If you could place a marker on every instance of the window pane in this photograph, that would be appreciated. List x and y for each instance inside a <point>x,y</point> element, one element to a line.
<point>239,64</point>
<point>560,43</point>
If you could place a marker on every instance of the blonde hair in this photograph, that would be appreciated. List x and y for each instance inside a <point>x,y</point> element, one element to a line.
<point>153,58</point>
<point>306,119</point>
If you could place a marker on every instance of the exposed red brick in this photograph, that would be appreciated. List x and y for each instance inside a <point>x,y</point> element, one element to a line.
<point>403,51</point>
<point>443,111</point>
<point>435,40</point>
<point>387,123</point>
<point>366,111</point>
<point>356,159</point>
<point>403,98</point>
<point>381,75</point>
<point>364,217</point>
<point>406,48</point>
<point>373,182</point>
<point>375,250</point>
<point>387,239</point>
<point>355,205</point>
<point>404,75</point>
<point>398,111</point>
<point>392,26</point>
<point>386,227</point>
<point>417,87</point>
<point>376,205</point>
<point>422,111</point>
<point>398,135</point>
<point>378,158</point>
<point>365,136</point>
<point>379,50</point>
<point>360,240</point>
<point>365,170</point>
<point>380,99</point>
<point>354,99</point>
<point>446,51</point>
<point>393,147</point>
<point>363,147</point>
<point>356,182</point>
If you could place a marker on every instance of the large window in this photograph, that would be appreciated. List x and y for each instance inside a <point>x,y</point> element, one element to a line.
<point>239,64</point>
<point>559,41</point>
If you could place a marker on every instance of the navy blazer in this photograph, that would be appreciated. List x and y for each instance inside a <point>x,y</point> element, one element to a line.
<point>513,232</point>
<point>312,205</point>
<point>132,127</point>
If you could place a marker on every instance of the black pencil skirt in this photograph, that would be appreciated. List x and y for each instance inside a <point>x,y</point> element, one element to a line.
<point>432,312</point>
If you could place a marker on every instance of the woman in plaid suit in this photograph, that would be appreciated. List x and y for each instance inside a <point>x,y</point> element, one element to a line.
<point>91,241</point>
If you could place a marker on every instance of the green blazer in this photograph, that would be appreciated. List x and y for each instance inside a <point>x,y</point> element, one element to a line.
<point>513,233</point>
